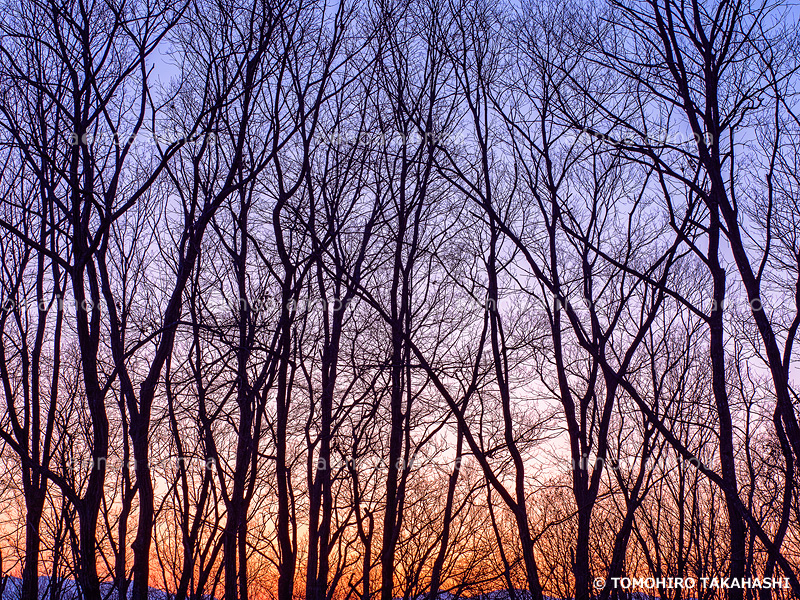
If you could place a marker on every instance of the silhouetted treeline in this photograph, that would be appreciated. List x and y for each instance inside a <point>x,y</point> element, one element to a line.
<point>369,300</point>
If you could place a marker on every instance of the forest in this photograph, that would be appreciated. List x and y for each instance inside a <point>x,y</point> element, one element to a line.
<point>399,299</point>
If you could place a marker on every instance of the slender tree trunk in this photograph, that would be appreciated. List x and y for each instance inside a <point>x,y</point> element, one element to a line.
<point>399,302</point>
<point>393,471</point>
<point>581,565</point>
<point>436,572</point>
<point>141,544</point>
<point>34,505</point>
<point>285,543</point>
<point>737,534</point>
<point>88,507</point>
